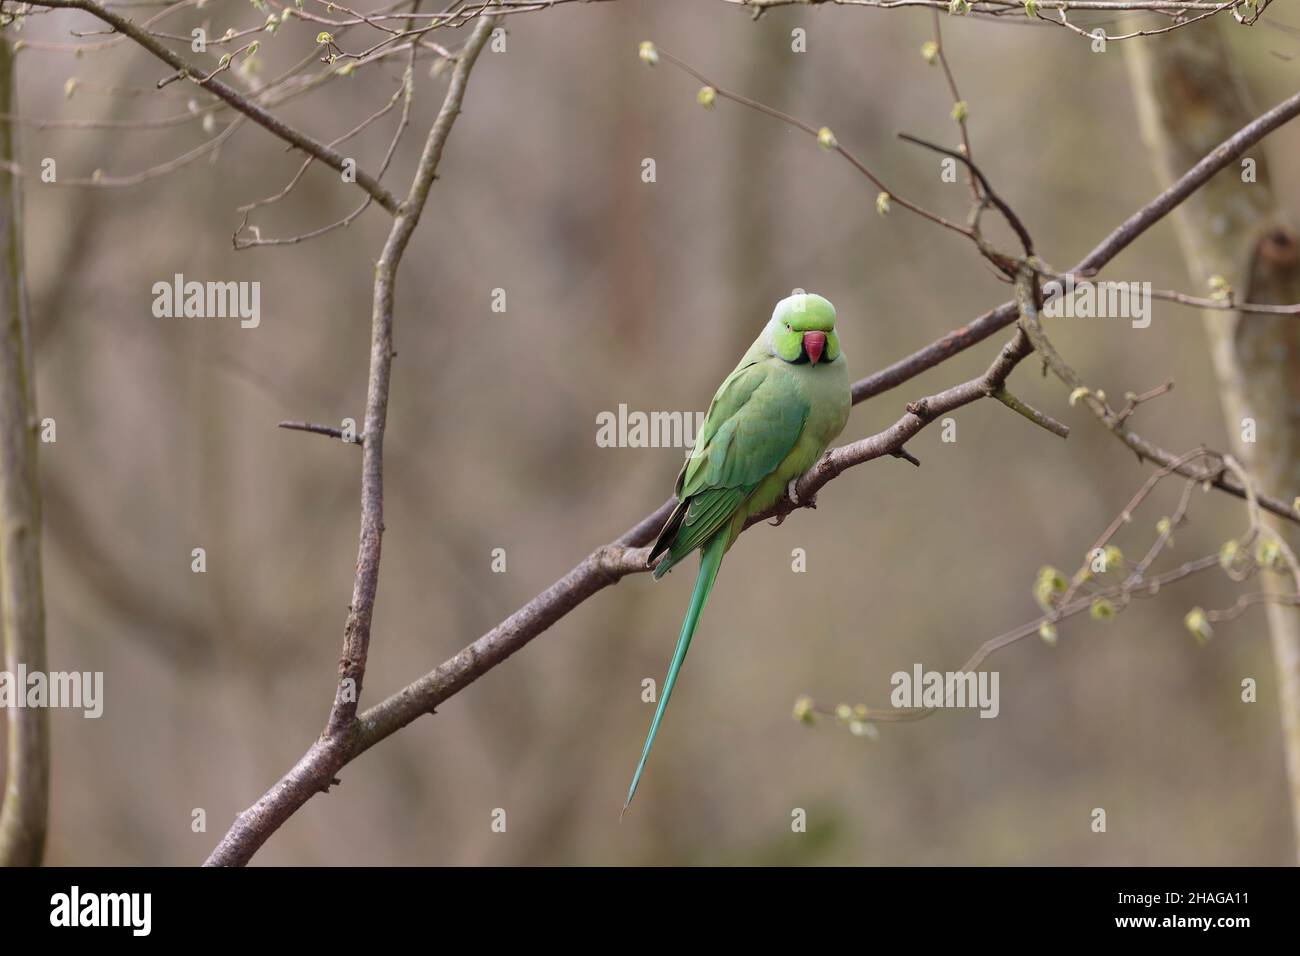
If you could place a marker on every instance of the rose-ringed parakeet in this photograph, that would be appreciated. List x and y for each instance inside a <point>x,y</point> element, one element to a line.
<point>768,423</point>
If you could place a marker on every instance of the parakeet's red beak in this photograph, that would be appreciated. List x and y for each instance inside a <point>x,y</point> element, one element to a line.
<point>814,343</point>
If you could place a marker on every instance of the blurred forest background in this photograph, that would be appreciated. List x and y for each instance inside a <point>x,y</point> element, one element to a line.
<point>620,291</point>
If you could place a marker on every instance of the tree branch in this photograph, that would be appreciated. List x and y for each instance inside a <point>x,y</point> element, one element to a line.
<point>315,771</point>
<point>1115,421</point>
<point>238,101</point>
<point>1176,11</point>
<point>25,811</point>
<point>985,325</point>
<point>1135,583</point>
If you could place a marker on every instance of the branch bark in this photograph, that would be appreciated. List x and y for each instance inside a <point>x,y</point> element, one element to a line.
<point>24,813</point>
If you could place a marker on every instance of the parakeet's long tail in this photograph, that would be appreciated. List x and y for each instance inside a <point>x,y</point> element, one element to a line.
<point>710,560</point>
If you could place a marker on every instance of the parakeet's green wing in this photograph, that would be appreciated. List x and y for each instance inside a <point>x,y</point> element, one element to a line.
<point>753,423</point>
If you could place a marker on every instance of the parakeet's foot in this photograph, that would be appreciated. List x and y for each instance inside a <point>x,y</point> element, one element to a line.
<point>793,496</point>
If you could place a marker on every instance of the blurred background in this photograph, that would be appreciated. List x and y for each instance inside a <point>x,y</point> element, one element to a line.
<point>620,291</point>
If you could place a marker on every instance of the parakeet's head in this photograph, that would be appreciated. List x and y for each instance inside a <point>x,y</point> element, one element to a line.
<point>803,330</point>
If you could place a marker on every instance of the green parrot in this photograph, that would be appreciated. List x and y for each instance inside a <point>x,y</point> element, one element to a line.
<point>768,423</point>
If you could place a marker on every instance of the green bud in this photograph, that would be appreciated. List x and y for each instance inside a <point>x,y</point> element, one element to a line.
<point>959,8</point>
<point>69,87</point>
<point>1228,554</point>
<point>826,139</point>
<point>1198,623</point>
<point>1057,579</point>
<point>803,710</point>
<point>960,111</point>
<point>706,97</point>
<point>1102,610</point>
<point>930,52</point>
<point>1268,554</point>
<point>648,54</point>
<point>1048,633</point>
<point>1031,8</point>
<point>1165,527</point>
<point>1078,393</point>
<point>1113,557</point>
<point>1047,585</point>
<point>843,713</point>
<point>882,204</point>
<point>323,38</point>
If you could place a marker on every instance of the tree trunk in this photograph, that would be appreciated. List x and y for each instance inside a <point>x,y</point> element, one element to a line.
<point>25,809</point>
<point>1190,98</point>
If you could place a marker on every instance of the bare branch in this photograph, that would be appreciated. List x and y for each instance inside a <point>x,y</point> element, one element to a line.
<point>822,135</point>
<point>1114,421</point>
<point>1015,11</point>
<point>328,430</point>
<point>315,772</point>
<point>1000,317</point>
<point>243,104</point>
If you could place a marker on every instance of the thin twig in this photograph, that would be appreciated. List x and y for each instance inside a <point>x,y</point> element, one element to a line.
<point>242,103</point>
